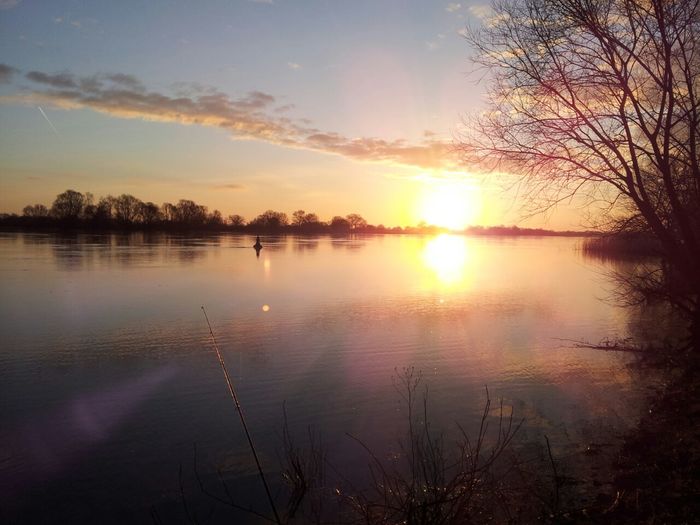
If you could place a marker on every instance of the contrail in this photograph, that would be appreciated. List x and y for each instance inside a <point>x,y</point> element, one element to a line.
<point>47,120</point>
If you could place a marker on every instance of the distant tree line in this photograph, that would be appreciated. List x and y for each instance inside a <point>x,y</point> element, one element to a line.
<point>72,209</point>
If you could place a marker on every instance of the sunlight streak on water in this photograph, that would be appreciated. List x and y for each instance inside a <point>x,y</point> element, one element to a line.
<point>447,256</point>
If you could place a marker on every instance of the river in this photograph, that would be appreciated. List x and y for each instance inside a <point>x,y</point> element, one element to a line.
<point>109,377</point>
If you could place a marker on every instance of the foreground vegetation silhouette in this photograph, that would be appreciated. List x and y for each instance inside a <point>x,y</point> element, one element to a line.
<point>491,475</point>
<point>426,481</point>
<point>599,100</point>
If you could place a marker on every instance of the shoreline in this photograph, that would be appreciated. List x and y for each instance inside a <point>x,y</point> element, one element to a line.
<point>493,231</point>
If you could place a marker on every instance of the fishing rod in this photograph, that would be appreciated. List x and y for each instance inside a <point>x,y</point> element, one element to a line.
<point>232,391</point>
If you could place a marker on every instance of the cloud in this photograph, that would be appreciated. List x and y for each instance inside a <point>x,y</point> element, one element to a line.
<point>94,83</point>
<point>185,89</point>
<point>253,116</point>
<point>293,65</point>
<point>231,186</point>
<point>285,108</point>
<point>6,73</point>
<point>453,7</point>
<point>8,4</point>
<point>427,154</point>
<point>435,43</point>
<point>77,23</point>
<point>487,16</point>
<point>58,80</point>
<point>481,11</point>
<point>128,81</point>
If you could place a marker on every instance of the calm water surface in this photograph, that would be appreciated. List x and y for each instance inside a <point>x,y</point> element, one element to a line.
<point>109,378</point>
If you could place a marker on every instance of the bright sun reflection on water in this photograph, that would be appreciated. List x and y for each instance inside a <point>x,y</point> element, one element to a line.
<point>447,256</point>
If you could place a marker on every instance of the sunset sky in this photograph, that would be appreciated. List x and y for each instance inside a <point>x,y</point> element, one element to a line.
<point>332,107</point>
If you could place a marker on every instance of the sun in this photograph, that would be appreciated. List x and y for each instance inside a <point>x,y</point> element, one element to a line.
<point>453,206</point>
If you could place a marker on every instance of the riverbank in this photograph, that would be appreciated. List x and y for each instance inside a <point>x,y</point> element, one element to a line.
<point>658,470</point>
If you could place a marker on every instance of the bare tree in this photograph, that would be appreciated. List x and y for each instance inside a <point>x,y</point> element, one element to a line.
<point>36,210</point>
<point>169,212</point>
<point>68,205</point>
<point>599,98</point>
<point>127,208</point>
<point>271,220</point>
<point>236,220</point>
<point>190,213</point>
<point>311,218</point>
<point>149,213</point>
<point>104,211</point>
<point>215,218</point>
<point>357,222</point>
<point>298,218</point>
<point>339,225</point>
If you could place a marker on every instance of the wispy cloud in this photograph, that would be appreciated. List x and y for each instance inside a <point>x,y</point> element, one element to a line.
<point>77,23</point>
<point>453,7</point>
<point>8,4</point>
<point>481,11</point>
<point>231,186</point>
<point>57,80</point>
<point>128,81</point>
<point>253,116</point>
<point>434,44</point>
<point>293,65</point>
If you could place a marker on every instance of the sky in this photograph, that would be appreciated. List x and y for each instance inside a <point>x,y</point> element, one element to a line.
<point>328,106</point>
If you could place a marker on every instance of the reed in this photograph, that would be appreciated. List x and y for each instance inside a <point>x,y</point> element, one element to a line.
<point>236,402</point>
<point>621,246</point>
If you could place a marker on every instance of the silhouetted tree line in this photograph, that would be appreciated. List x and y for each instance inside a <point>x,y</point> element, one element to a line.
<point>72,209</point>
